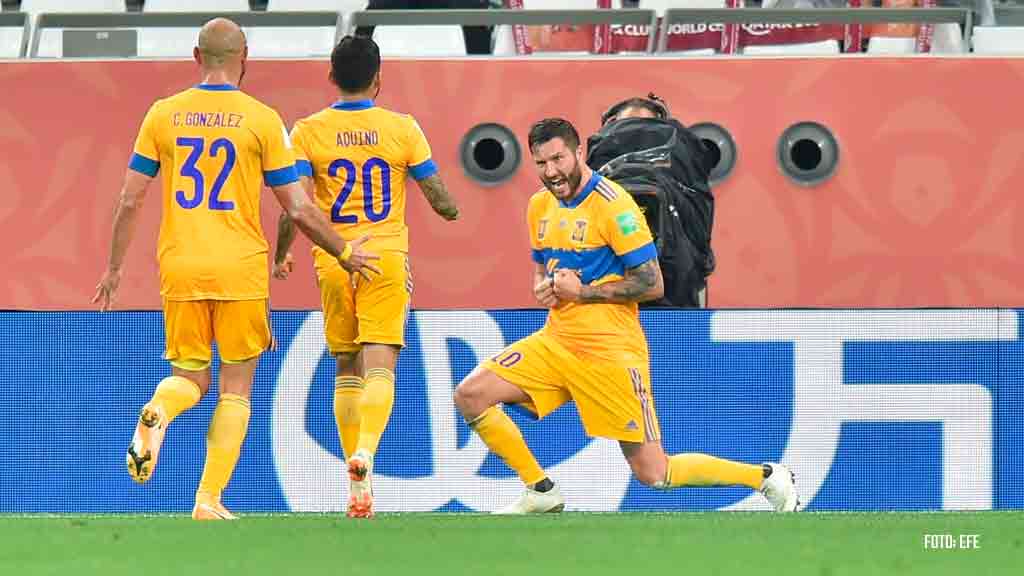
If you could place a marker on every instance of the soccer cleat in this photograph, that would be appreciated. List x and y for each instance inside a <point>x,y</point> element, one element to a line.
<point>533,502</point>
<point>779,488</point>
<point>360,472</point>
<point>145,446</point>
<point>210,509</point>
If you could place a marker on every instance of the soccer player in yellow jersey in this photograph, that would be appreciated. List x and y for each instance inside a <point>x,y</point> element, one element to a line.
<point>215,146</point>
<point>594,261</point>
<point>355,156</point>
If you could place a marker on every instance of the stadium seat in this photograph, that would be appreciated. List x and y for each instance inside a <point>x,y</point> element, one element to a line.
<point>822,47</point>
<point>315,5</point>
<point>661,5</point>
<point>178,42</point>
<point>272,42</point>
<point>892,45</point>
<point>807,49</point>
<point>998,39</point>
<point>12,38</point>
<point>38,6</point>
<point>196,6</point>
<point>948,39</point>
<point>420,40</point>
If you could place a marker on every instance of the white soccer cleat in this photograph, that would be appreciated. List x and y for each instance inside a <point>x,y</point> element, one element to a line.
<point>779,488</point>
<point>360,472</point>
<point>533,502</point>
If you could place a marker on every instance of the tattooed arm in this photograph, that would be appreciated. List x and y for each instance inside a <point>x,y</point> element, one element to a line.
<point>437,194</point>
<point>640,284</point>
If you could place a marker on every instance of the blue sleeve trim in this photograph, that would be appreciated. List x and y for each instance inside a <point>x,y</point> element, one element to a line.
<point>304,168</point>
<point>423,170</point>
<point>144,165</point>
<point>538,256</point>
<point>281,176</point>
<point>642,254</point>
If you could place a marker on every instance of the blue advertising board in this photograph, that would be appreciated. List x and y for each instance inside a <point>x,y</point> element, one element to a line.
<point>873,409</point>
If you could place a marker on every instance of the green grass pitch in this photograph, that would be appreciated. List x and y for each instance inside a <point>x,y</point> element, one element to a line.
<point>624,544</point>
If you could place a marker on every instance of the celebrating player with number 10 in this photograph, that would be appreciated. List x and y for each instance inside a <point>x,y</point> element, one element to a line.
<point>215,146</point>
<point>355,156</point>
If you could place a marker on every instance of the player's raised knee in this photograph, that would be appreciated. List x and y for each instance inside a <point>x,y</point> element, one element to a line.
<point>471,395</point>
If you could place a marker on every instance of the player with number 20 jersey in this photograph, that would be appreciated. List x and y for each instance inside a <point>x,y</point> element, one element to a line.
<point>356,157</point>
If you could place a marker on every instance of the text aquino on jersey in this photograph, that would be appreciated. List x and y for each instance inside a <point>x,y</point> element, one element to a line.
<point>358,138</point>
<point>208,119</point>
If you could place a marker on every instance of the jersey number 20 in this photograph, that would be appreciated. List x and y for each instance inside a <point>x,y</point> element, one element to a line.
<point>351,170</point>
<point>189,170</point>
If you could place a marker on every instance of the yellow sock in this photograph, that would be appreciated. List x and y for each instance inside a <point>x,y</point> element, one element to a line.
<point>704,470</point>
<point>224,443</point>
<point>175,394</point>
<point>503,437</point>
<point>375,407</point>
<point>348,393</point>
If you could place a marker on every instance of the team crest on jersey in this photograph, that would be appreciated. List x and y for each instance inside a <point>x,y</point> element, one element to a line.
<point>542,228</point>
<point>580,231</point>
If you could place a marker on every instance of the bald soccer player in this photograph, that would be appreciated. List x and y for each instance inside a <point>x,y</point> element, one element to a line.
<point>216,147</point>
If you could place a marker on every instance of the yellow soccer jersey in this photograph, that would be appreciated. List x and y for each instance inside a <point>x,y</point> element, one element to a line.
<point>359,156</point>
<point>216,146</point>
<point>600,234</point>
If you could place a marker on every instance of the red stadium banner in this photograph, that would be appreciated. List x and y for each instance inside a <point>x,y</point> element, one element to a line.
<point>723,38</point>
<point>923,209</point>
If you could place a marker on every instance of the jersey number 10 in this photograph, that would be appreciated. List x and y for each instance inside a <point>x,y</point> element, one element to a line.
<point>351,170</point>
<point>189,170</point>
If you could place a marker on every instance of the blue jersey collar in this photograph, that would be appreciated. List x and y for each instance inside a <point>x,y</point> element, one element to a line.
<point>217,87</point>
<point>587,189</point>
<point>353,105</point>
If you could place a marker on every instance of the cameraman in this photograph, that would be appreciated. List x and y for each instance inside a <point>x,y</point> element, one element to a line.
<point>665,167</point>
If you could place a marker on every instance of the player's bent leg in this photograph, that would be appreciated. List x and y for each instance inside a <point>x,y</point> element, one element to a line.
<point>477,398</point>
<point>653,468</point>
<point>174,395</point>
<point>224,438</point>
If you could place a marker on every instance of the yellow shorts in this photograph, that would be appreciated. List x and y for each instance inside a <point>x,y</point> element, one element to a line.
<point>241,329</point>
<point>360,311</point>
<point>614,399</point>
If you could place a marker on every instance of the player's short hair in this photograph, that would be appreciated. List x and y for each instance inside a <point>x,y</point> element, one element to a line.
<point>651,103</point>
<point>551,128</point>
<point>355,62</point>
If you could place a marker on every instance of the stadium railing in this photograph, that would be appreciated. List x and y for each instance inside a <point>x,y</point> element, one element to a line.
<point>14,34</point>
<point>505,17</point>
<point>117,35</point>
<point>1009,15</point>
<point>962,16</point>
<point>130,34</point>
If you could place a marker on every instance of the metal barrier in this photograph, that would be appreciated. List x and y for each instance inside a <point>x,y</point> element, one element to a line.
<point>657,40</point>
<point>101,22</point>
<point>500,17</point>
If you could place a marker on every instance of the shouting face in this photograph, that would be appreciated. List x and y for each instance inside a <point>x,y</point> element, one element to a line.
<point>558,167</point>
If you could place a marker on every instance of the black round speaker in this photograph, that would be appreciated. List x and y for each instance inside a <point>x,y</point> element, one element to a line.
<point>808,153</point>
<point>721,146</point>
<point>490,154</point>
